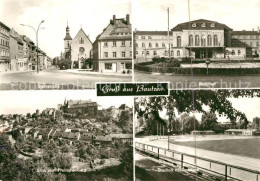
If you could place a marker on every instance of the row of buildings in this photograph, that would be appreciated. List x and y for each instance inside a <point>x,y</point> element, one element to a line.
<point>110,52</point>
<point>18,52</point>
<point>197,39</point>
<point>75,134</point>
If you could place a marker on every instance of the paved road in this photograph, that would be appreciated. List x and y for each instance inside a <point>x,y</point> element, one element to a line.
<point>201,81</point>
<point>56,78</point>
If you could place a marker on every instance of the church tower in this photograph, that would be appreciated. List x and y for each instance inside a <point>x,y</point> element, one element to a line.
<point>67,40</point>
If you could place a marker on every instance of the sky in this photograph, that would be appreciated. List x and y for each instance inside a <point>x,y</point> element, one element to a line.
<point>249,106</point>
<point>237,14</point>
<point>92,15</point>
<point>22,102</point>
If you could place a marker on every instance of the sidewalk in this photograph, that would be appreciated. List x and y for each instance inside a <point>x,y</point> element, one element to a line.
<point>80,71</point>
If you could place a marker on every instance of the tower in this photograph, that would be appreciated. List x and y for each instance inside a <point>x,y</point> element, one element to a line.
<point>67,40</point>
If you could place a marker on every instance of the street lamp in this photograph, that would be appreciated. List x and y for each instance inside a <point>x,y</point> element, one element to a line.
<point>207,63</point>
<point>36,33</point>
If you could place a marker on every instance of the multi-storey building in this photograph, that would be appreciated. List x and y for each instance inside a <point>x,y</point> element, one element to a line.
<point>198,39</point>
<point>78,49</point>
<point>18,62</point>
<point>112,49</point>
<point>4,47</point>
<point>248,39</point>
<point>149,44</point>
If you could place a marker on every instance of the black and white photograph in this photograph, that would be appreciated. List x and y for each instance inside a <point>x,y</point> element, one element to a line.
<point>65,135</point>
<point>70,44</point>
<point>198,135</point>
<point>197,44</point>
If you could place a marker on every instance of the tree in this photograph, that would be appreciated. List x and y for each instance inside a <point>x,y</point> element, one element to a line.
<point>195,100</point>
<point>256,123</point>
<point>208,121</point>
<point>28,115</point>
<point>188,123</point>
<point>127,160</point>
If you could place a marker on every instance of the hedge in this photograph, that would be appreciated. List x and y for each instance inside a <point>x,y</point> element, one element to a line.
<point>197,70</point>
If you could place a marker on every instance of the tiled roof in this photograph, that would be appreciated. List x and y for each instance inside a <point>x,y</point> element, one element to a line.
<point>6,27</point>
<point>245,33</point>
<point>152,32</point>
<point>121,136</point>
<point>198,25</point>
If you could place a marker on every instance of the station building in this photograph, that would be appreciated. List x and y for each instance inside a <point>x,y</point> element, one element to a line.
<point>198,39</point>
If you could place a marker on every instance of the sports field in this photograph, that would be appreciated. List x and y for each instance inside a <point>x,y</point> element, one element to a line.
<point>244,147</point>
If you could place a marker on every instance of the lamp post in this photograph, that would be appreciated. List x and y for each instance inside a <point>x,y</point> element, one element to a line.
<point>208,62</point>
<point>36,33</point>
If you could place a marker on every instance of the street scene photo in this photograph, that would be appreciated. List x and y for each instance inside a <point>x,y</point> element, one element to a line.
<point>198,135</point>
<point>193,45</point>
<point>64,44</point>
<point>68,135</point>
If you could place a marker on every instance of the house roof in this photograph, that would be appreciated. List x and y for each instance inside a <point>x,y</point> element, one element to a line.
<point>103,138</point>
<point>6,27</point>
<point>198,25</point>
<point>121,136</point>
<point>81,30</point>
<point>245,32</point>
<point>240,130</point>
<point>151,32</point>
<point>67,37</point>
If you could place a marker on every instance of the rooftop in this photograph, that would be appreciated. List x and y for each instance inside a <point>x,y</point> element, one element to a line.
<point>245,32</point>
<point>151,33</point>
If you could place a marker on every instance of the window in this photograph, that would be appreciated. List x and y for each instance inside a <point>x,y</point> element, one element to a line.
<point>156,44</point>
<point>171,45</point>
<point>257,44</point>
<point>178,53</point>
<point>68,44</point>
<point>114,54</point>
<point>130,43</point>
<point>143,45</point>
<point>233,52</point>
<point>239,52</point>
<point>191,40</point>
<point>194,25</point>
<point>215,40</point>
<point>136,52</point>
<point>105,54</point>
<point>165,53</point>
<point>227,52</point>
<point>197,41</point>
<point>150,45</point>
<point>108,66</point>
<point>203,40</point>
<point>123,54</point>
<point>105,44</point>
<point>149,37</point>
<point>172,53</point>
<point>251,44</point>
<point>142,37</point>
<point>147,53</point>
<point>212,25</point>
<point>163,45</point>
<point>203,25</point>
<point>136,44</point>
<point>114,43</point>
<point>123,43</point>
<point>143,53</point>
<point>178,41</point>
<point>130,54</point>
<point>154,53</point>
<point>209,40</point>
<point>81,41</point>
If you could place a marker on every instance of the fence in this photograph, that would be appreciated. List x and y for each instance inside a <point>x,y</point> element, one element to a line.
<point>212,167</point>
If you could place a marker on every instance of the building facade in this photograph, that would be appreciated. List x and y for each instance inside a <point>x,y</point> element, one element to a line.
<point>198,39</point>
<point>4,48</point>
<point>78,49</point>
<point>149,44</point>
<point>112,49</point>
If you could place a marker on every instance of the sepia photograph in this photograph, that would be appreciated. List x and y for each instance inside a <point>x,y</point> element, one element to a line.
<point>70,44</point>
<point>65,135</point>
<point>197,44</point>
<point>198,135</point>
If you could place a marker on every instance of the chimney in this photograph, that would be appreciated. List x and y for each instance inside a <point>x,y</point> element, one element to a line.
<point>114,19</point>
<point>127,19</point>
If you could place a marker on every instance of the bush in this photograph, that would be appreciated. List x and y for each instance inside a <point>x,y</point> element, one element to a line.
<point>158,59</point>
<point>173,63</point>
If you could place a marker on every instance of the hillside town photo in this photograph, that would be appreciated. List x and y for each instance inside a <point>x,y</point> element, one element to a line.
<point>198,135</point>
<point>78,139</point>
<point>194,45</point>
<point>67,50</point>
